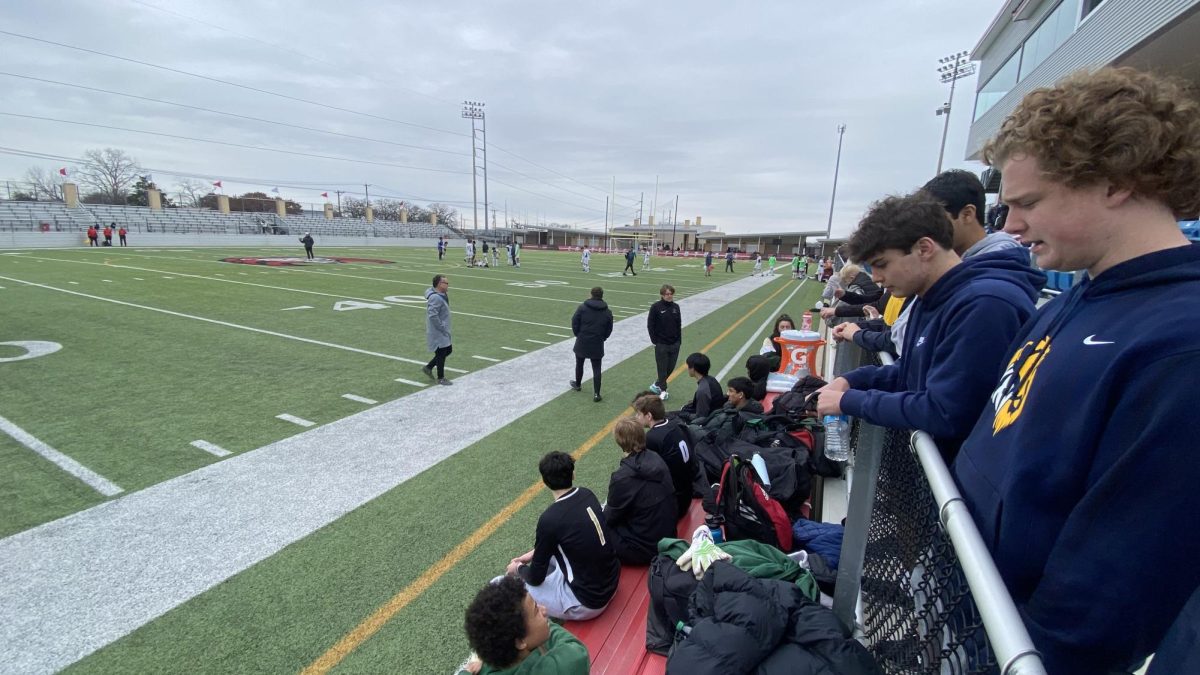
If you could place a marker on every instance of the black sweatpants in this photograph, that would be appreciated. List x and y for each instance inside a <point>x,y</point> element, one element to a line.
<point>308,252</point>
<point>439,360</point>
<point>728,265</point>
<point>628,266</point>
<point>595,372</point>
<point>665,358</point>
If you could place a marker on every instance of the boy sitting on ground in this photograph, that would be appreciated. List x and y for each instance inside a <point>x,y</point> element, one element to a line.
<point>511,634</point>
<point>708,391</point>
<point>572,569</point>
<point>641,497</point>
<point>671,441</point>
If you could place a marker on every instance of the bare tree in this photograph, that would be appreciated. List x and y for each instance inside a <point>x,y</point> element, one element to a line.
<point>190,191</point>
<point>46,184</point>
<point>445,214</point>
<point>110,172</point>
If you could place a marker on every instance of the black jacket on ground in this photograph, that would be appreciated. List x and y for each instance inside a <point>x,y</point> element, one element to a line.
<point>641,507</point>
<point>592,324</point>
<point>670,441</point>
<point>665,323</point>
<point>745,625</point>
<point>572,531</point>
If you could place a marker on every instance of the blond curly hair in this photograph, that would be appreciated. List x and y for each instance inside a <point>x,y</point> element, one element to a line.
<point>1135,130</point>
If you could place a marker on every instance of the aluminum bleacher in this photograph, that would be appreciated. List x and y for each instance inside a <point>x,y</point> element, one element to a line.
<point>56,217</point>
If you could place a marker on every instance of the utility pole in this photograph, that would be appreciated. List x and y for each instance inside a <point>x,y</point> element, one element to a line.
<point>486,203</point>
<point>493,219</point>
<point>641,202</point>
<point>837,165</point>
<point>473,110</point>
<point>654,202</point>
<point>673,219</point>
<point>953,68</point>
<point>606,223</point>
<point>339,194</point>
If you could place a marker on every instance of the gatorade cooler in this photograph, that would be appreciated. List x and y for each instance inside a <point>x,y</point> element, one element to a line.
<point>799,352</point>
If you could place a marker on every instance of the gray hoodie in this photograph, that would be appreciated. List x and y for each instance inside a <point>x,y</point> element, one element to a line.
<point>437,320</point>
<point>995,241</point>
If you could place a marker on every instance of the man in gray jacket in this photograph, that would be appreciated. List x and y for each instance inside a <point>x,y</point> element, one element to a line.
<point>437,327</point>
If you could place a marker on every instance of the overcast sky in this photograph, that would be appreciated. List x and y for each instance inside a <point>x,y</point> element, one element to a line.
<point>733,105</point>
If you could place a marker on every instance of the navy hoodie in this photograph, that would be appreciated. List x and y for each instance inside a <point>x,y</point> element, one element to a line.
<point>1082,473</point>
<point>958,334</point>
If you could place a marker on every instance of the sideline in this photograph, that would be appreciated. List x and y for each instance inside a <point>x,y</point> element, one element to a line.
<point>77,584</point>
<point>362,632</point>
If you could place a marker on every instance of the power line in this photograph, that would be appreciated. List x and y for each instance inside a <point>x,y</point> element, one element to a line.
<point>231,84</point>
<point>231,144</point>
<point>233,114</point>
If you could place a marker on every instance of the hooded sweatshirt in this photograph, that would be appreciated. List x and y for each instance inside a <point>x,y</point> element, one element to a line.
<point>1081,473</point>
<point>437,319</point>
<point>591,324</point>
<point>957,335</point>
<point>641,507</point>
<point>996,241</point>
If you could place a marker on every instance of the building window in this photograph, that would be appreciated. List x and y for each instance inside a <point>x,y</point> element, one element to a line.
<point>1000,84</point>
<point>1055,29</point>
<point>1089,6</point>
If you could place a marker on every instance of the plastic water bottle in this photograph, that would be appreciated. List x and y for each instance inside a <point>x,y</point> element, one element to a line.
<point>806,321</point>
<point>760,467</point>
<point>714,528</point>
<point>837,437</point>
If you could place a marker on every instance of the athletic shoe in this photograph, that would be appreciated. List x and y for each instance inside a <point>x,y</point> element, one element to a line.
<point>445,382</point>
<point>664,395</point>
<point>596,398</point>
<point>428,371</point>
<point>654,388</point>
<point>574,385</point>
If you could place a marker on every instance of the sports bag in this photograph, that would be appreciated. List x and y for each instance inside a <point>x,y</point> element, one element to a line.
<point>748,511</point>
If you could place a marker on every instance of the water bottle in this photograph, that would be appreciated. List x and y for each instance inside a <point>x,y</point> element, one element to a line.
<point>714,528</point>
<point>760,467</point>
<point>837,437</point>
<point>806,321</point>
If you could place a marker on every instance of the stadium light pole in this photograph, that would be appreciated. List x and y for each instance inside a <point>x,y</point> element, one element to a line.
<point>951,69</point>
<point>841,129</point>
<point>473,110</point>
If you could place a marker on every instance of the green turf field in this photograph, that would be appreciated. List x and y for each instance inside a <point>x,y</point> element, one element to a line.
<point>199,349</point>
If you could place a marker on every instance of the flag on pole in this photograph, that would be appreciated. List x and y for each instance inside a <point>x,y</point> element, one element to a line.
<point>275,190</point>
<point>325,195</point>
<point>62,171</point>
<point>217,184</point>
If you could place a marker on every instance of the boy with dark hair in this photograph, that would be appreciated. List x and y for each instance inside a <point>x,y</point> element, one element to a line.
<point>640,508</point>
<point>961,194</point>
<point>708,397</point>
<point>671,441</point>
<point>572,568</point>
<point>664,323</point>
<point>741,396</point>
<point>510,633</point>
<point>1097,169</point>
<point>959,327</point>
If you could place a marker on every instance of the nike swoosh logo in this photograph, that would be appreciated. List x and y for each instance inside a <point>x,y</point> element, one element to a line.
<point>1090,340</point>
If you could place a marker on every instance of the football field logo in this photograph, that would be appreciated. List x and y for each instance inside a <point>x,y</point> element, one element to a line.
<point>285,261</point>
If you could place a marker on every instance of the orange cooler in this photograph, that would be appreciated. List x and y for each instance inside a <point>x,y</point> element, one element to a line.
<point>799,349</point>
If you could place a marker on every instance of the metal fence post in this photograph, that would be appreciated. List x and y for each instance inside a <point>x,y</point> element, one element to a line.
<point>867,454</point>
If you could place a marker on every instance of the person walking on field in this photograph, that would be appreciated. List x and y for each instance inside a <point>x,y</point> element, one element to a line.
<point>437,327</point>
<point>665,325</point>
<point>121,233</point>
<point>585,260</point>
<point>630,256</point>
<point>591,325</point>
<point>645,258</point>
<point>308,242</point>
<point>757,265</point>
<point>729,260</point>
<point>708,257</point>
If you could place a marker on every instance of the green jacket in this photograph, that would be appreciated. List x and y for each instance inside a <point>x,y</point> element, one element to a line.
<point>759,560</point>
<point>563,654</point>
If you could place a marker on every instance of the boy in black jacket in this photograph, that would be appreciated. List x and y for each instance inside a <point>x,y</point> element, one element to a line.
<point>572,569</point>
<point>641,507</point>
<point>709,395</point>
<point>665,325</point>
<point>670,440</point>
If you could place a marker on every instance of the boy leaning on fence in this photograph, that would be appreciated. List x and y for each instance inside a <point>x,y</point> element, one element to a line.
<point>1081,473</point>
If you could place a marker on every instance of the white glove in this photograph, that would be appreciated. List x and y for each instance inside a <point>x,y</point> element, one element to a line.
<point>702,553</point>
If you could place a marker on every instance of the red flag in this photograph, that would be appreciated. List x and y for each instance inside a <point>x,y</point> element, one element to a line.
<point>217,184</point>
<point>62,171</point>
<point>325,195</point>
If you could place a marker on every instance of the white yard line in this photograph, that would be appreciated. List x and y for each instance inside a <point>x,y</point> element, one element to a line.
<point>514,349</point>
<point>210,448</point>
<point>766,326</point>
<point>487,358</point>
<point>288,309</point>
<point>538,342</point>
<point>360,399</point>
<point>138,279</point>
<point>558,335</point>
<point>296,420</point>
<point>91,478</point>
<point>415,384</point>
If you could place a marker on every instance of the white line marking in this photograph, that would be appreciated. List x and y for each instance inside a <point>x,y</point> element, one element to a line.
<point>360,399</point>
<point>168,277</point>
<point>138,279</point>
<point>486,358</point>
<point>558,335</point>
<point>537,342</point>
<point>94,480</point>
<point>295,420</point>
<point>288,309</point>
<point>73,283</point>
<point>754,339</point>
<point>107,281</point>
<point>415,384</point>
<point>218,274</point>
<point>243,274</point>
<point>514,349</point>
<point>227,324</point>
<point>210,448</point>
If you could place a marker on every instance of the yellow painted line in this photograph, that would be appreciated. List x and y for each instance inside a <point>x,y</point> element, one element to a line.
<point>371,625</point>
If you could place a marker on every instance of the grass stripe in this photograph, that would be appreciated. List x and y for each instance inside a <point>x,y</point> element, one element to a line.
<point>371,625</point>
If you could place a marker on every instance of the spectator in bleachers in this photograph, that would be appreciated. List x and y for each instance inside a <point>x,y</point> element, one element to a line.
<point>963,320</point>
<point>511,633</point>
<point>641,507</point>
<point>1080,474</point>
<point>308,242</point>
<point>961,194</point>
<point>572,568</point>
<point>670,440</point>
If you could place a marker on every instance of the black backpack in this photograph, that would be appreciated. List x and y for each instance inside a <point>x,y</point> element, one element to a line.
<point>747,511</point>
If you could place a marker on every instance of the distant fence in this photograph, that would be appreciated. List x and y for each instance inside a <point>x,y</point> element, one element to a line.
<point>915,578</point>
